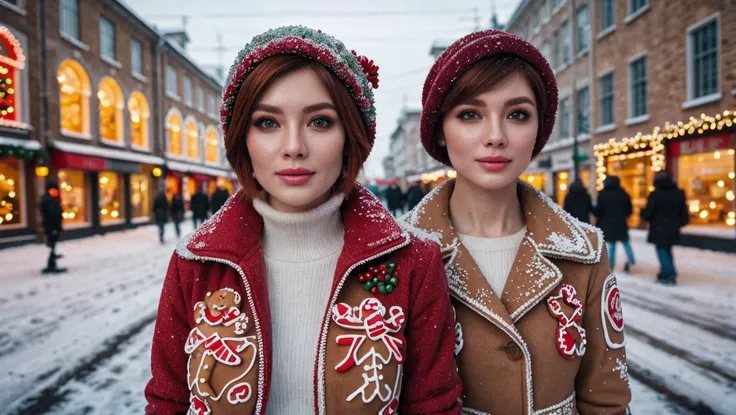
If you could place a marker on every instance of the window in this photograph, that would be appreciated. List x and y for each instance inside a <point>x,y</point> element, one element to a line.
<point>172,83</point>
<point>140,197</point>
<point>173,127</point>
<point>8,91</point>
<point>703,62</point>
<point>608,14</point>
<point>534,25</point>
<point>543,13</point>
<point>74,92</point>
<point>564,116</point>
<point>607,100</point>
<point>111,200</point>
<point>11,185</point>
<point>212,106</point>
<point>556,50</point>
<point>556,3</point>
<point>583,29</point>
<point>638,87</point>
<point>212,146</point>
<point>73,190</point>
<point>566,42</point>
<point>546,52</point>
<point>69,17</point>
<point>187,91</point>
<point>139,115</point>
<point>110,97</point>
<point>200,98</point>
<point>636,5</point>
<point>107,38</point>
<point>583,111</point>
<point>136,57</point>
<point>192,140</point>
<point>708,182</point>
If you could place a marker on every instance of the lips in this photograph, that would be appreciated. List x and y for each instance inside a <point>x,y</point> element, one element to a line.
<point>295,176</point>
<point>493,163</point>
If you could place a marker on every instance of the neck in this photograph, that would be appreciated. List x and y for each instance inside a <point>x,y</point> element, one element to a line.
<point>475,211</point>
<point>304,236</point>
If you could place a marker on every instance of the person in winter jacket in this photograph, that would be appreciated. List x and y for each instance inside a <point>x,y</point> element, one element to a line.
<point>414,195</point>
<point>219,197</point>
<point>578,202</point>
<point>539,326</point>
<point>177,213</point>
<point>161,213</point>
<point>613,210</point>
<point>303,256</point>
<point>51,216</point>
<point>667,213</point>
<point>395,199</point>
<point>200,205</point>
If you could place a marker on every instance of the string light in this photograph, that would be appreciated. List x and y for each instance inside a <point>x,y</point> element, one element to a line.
<point>19,61</point>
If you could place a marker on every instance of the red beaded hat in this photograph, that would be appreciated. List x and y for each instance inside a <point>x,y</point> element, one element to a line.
<point>463,54</point>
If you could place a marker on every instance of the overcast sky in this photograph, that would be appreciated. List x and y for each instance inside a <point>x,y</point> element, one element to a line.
<point>396,34</point>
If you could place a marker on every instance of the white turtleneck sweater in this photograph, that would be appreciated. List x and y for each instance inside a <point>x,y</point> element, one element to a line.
<point>301,252</point>
<point>494,256</point>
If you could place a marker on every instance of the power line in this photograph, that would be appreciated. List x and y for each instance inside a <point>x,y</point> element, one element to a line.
<point>315,13</point>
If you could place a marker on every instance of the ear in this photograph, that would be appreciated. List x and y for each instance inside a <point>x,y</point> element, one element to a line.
<point>441,138</point>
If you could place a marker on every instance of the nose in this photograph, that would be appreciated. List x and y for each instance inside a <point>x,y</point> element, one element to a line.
<point>494,134</point>
<point>295,145</point>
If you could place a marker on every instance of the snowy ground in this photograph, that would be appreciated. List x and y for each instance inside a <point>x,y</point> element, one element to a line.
<point>78,343</point>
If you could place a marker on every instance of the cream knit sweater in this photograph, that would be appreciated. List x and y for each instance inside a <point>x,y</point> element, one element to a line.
<point>494,256</point>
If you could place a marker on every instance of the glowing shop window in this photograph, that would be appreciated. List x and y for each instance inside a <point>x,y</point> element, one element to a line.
<point>73,189</point>
<point>10,192</point>
<point>708,182</point>
<point>140,201</point>
<point>111,197</point>
<point>174,129</point>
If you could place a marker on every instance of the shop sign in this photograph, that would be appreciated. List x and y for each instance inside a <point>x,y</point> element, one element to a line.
<point>123,166</point>
<point>700,145</point>
<point>78,162</point>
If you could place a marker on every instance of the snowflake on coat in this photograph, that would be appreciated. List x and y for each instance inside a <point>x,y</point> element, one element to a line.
<point>370,319</point>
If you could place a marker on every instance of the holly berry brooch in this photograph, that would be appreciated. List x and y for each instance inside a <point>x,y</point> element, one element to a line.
<point>379,279</point>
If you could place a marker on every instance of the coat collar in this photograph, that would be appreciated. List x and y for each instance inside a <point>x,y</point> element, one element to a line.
<point>551,234</point>
<point>234,232</point>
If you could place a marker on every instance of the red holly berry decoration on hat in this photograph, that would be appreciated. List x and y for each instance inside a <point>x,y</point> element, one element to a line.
<point>379,279</point>
<point>369,69</point>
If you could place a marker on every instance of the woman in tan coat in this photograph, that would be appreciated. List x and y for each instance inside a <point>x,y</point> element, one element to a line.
<point>539,325</point>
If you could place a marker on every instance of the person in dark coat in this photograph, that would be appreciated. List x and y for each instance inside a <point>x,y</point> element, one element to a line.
<point>200,208</point>
<point>51,215</point>
<point>414,195</point>
<point>177,213</point>
<point>667,213</point>
<point>395,199</point>
<point>161,212</point>
<point>612,210</point>
<point>219,198</point>
<point>578,202</point>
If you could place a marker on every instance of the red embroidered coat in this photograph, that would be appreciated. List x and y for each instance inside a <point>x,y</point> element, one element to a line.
<point>379,351</point>
<point>552,342</point>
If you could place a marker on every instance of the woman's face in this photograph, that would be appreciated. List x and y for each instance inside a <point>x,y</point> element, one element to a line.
<point>295,141</point>
<point>490,138</point>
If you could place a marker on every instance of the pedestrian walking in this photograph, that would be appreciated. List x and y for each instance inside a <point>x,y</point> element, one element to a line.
<point>245,296</point>
<point>219,197</point>
<point>414,195</point>
<point>394,199</point>
<point>578,202</point>
<point>177,213</point>
<point>200,205</point>
<point>538,318</point>
<point>161,213</point>
<point>52,217</point>
<point>667,213</point>
<point>613,210</point>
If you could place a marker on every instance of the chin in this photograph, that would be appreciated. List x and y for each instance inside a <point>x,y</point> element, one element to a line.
<point>299,198</point>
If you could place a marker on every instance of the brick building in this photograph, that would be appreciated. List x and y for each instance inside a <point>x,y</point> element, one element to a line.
<point>91,108</point>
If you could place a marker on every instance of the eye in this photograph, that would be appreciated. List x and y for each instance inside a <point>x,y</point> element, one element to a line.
<point>469,115</point>
<point>266,123</point>
<point>519,115</point>
<point>321,122</point>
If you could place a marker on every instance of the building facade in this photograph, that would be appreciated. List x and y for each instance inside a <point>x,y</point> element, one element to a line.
<point>91,109</point>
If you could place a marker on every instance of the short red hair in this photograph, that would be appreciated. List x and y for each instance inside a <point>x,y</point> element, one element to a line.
<point>357,143</point>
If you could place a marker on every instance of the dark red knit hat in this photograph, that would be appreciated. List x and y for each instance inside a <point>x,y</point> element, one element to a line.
<point>458,58</point>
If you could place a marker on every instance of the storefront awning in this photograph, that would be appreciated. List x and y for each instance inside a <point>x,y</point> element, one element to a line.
<point>20,148</point>
<point>193,169</point>
<point>106,153</point>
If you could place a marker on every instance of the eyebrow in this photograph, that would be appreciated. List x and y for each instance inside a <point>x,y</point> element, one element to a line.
<point>312,108</point>
<point>520,100</point>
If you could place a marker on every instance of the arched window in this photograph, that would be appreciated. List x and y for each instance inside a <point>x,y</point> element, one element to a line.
<point>12,60</point>
<point>192,139</point>
<point>173,128</point>
<point>139,115</point>
<point>75,90</point>
<point>211,145</point>
<point>111,101</point>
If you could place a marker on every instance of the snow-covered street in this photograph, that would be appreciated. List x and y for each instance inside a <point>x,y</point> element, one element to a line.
<point>78,343</point>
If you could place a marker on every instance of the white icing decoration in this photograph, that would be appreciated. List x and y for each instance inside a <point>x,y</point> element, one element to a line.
<point>459,342</point>
<point>565,407</point>
<point>623,371</point>
<point>604,314</point>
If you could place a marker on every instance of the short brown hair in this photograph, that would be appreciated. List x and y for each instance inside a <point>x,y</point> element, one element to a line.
<point>486,74</point>
<point>357,144</point>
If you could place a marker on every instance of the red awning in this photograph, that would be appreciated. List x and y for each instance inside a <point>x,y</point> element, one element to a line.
<point>200,177</point>
<point>64,160</point>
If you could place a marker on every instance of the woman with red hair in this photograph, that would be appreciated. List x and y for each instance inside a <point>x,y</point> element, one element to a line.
<point>302,294</point>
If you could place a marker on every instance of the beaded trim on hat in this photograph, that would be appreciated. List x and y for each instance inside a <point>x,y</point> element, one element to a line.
<point>311,44</point>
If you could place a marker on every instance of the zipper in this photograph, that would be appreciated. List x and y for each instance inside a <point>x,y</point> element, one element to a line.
<point>320,369</point>
<point>261,368</point>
